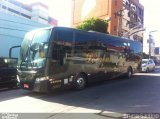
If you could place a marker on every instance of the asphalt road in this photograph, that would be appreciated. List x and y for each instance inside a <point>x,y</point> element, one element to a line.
<point>140,94</point>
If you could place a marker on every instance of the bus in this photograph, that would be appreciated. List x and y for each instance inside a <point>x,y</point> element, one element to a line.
<point>58,57</point>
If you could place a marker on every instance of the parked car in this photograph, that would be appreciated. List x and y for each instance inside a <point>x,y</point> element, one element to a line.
<point>148,65</point>
<point>8,73</point>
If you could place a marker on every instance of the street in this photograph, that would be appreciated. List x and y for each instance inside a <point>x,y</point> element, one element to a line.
<point>139,94</point>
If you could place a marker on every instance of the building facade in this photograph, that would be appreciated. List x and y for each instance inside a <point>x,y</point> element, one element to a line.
<point>125,16</point>
<point>37,12</point>
<point>16,19</point>
<point>133,19</point>
<point>12,31</point>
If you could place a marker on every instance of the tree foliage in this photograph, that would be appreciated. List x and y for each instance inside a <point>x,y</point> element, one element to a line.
<point>94,24</point>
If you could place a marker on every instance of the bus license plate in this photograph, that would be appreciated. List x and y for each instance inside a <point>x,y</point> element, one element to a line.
<point>26,86</point>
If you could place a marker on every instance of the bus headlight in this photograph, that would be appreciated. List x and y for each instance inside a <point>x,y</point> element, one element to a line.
<point>18,78</point>
<point>41,79</point>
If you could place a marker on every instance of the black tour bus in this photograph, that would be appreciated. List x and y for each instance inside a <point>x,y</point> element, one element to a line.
<point>56,57</point>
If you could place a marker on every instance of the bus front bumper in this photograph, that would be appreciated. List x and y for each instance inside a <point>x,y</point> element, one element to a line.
<point>41,86</point>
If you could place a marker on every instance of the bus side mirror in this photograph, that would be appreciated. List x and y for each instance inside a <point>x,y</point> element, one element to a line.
<point>41,51</point>
<point>10,50</point>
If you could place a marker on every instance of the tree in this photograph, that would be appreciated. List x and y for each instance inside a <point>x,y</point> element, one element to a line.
<point>94,24</point>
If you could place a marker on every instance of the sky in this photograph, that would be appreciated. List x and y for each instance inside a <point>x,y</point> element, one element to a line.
<point>59,9</point>
<point>151,13</point>
<point>151,21</point>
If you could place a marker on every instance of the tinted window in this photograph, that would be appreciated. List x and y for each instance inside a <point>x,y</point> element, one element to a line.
<point>64,36</point>
<point>62,44</point>
<point>87,47</point>
<point>82,37</point>
<point>87,40</point>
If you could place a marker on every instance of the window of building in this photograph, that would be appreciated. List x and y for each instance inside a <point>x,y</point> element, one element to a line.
<point>4,7</point>
<point>12,10</point>
<point>43,18</point>
<point>26,8</point>
<point>20,5</point>
<point>24,15</point>
<point>129,14</point>
<point>115,16</point>
<point>115,2</point>
<point>156,50</point>
<point>115,28</point>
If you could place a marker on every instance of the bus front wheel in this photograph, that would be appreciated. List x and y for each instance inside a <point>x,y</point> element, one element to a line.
<point>129,73</point>
<point>80,82</point>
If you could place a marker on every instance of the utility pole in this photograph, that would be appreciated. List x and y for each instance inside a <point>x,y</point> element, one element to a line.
<point>150,41</point>
<point>119,14</point>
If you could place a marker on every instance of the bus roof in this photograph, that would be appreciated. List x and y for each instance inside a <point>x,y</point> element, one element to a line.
<point>99,34</point>
<point>94,33</point>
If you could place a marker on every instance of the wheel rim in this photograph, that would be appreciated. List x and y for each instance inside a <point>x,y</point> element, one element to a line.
<point>80,82</point>
<point>129,73</point>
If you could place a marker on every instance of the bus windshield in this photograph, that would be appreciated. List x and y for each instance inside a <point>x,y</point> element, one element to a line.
<point>30,52</point>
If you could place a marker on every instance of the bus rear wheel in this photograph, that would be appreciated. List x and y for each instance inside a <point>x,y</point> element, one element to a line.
<point>80,82</point>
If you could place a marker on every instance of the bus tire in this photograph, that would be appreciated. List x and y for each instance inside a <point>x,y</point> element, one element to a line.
<point>129,73</point>
<point>80,82</point>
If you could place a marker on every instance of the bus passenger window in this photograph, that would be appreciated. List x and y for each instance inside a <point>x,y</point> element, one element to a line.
<point>55,52</point>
